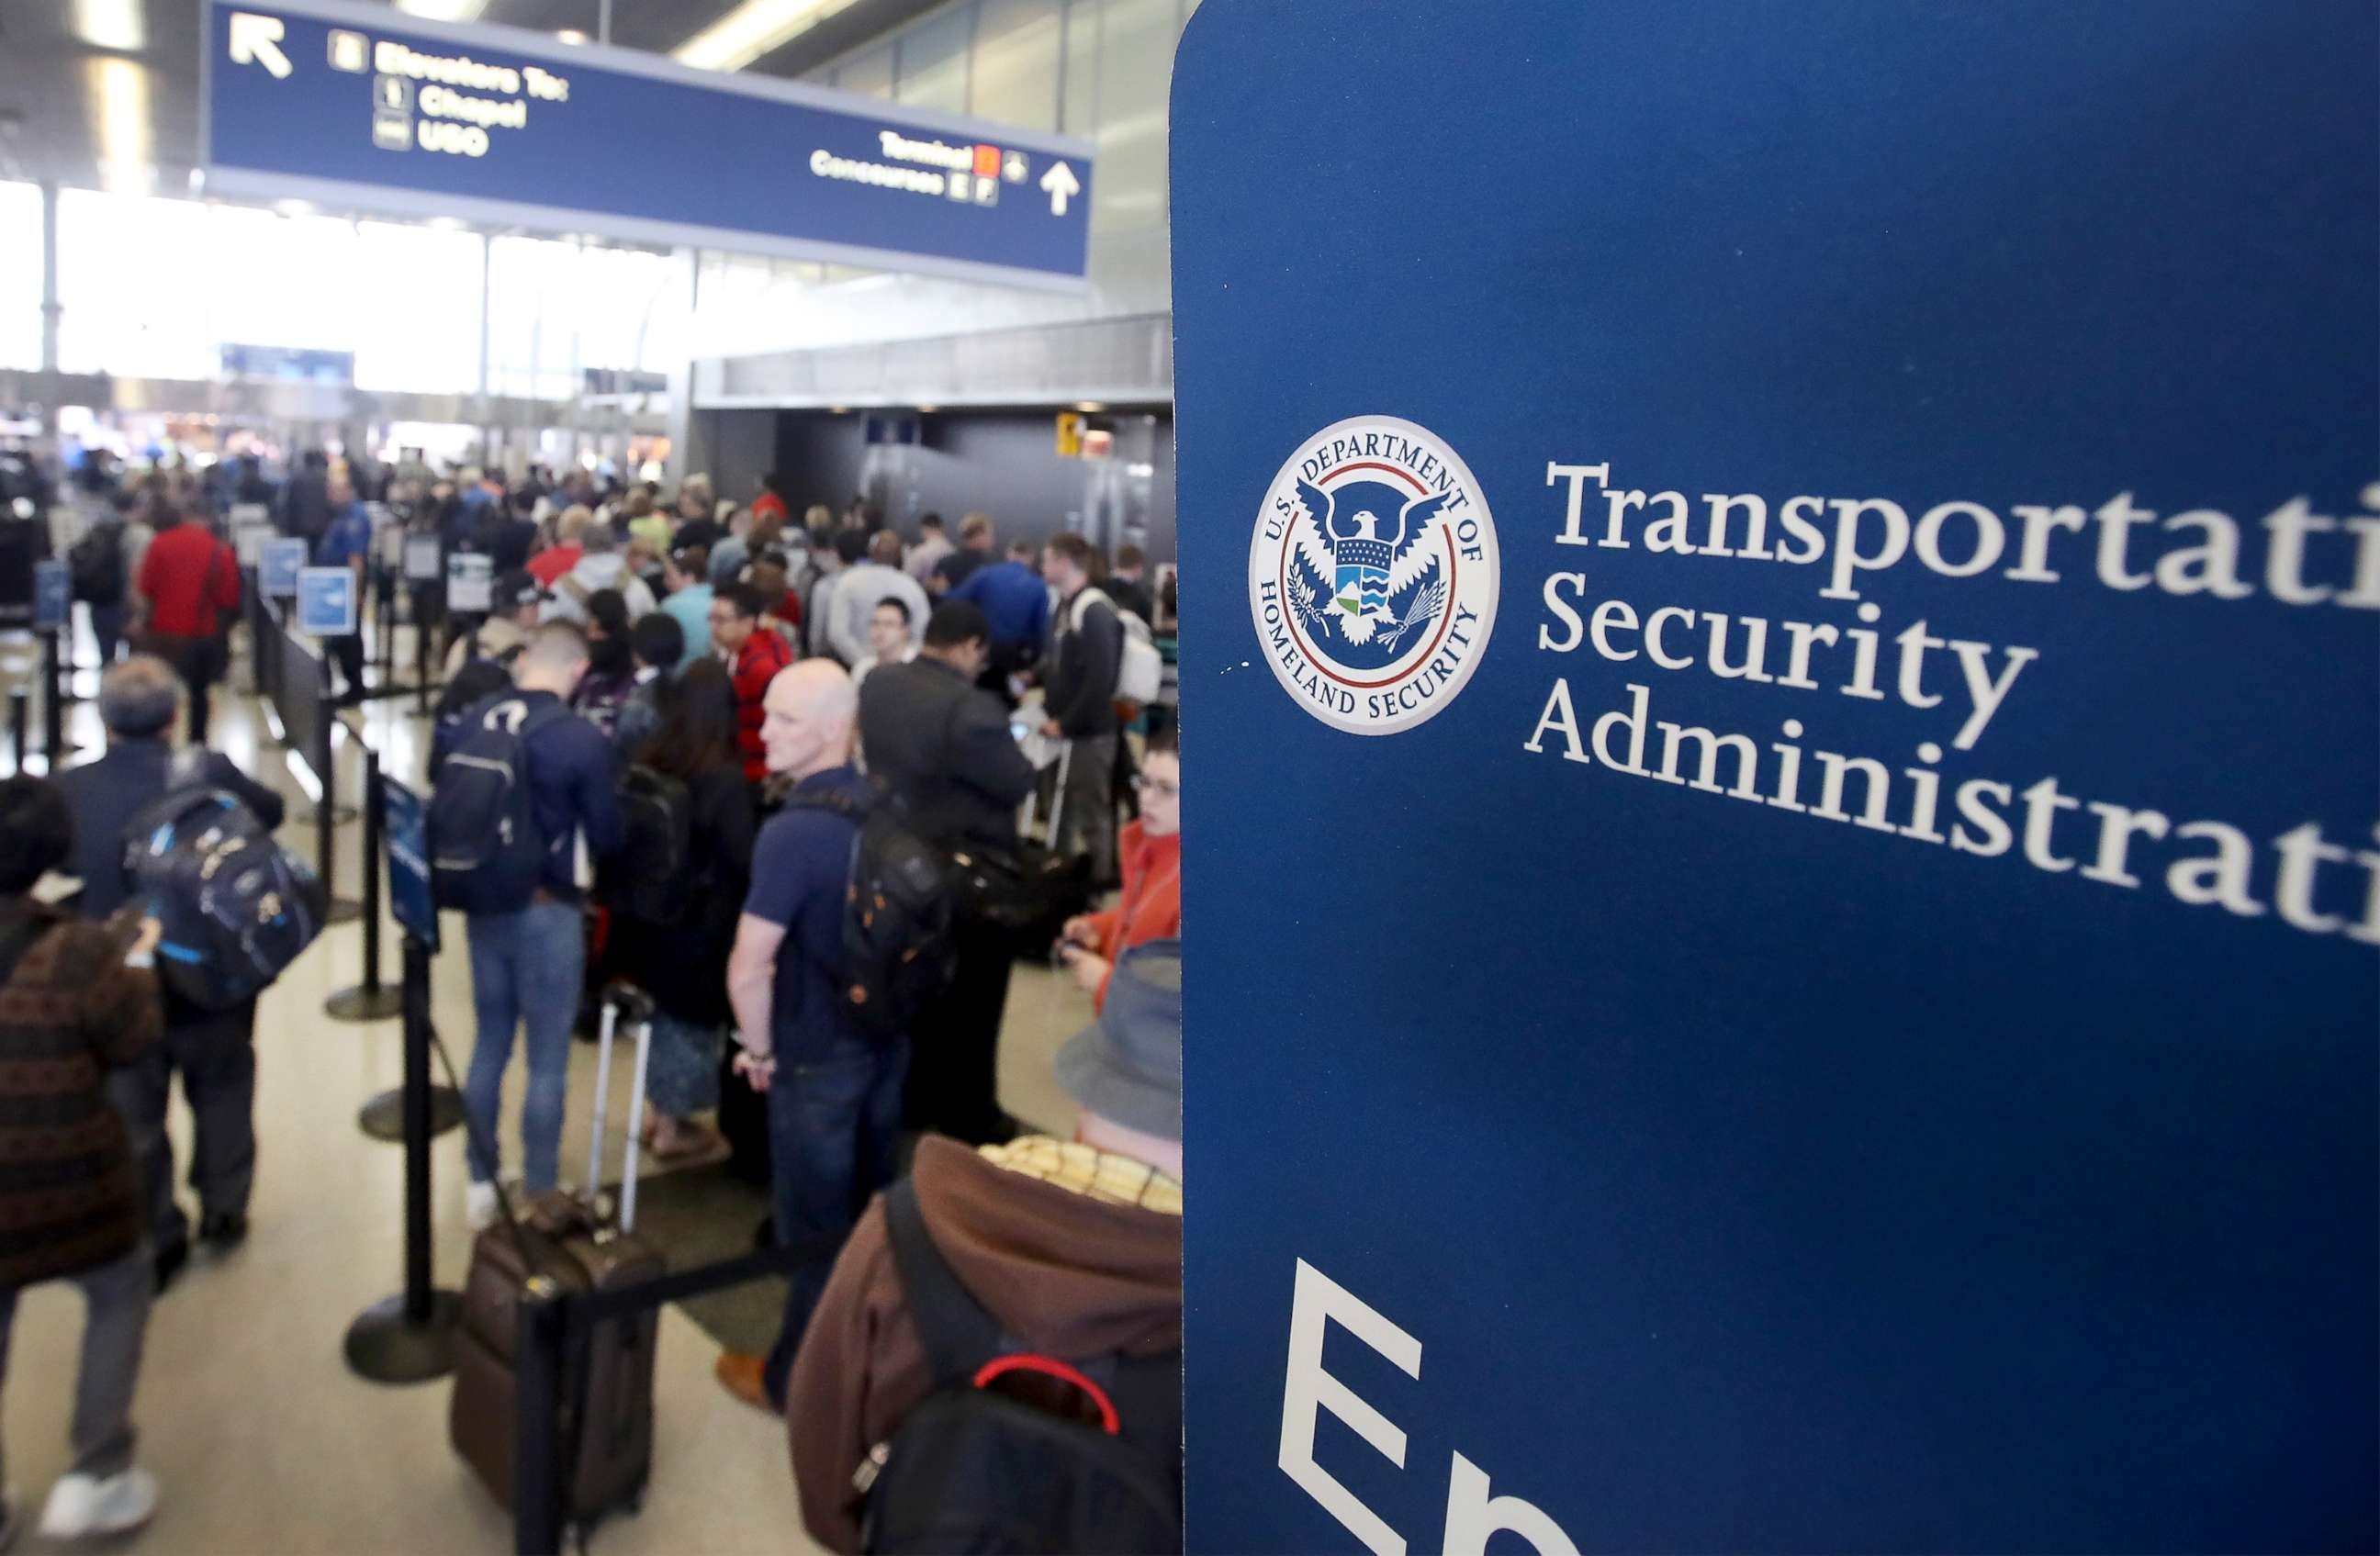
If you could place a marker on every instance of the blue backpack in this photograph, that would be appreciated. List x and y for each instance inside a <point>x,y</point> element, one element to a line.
<point>234,906</point>
<point>486,851</point>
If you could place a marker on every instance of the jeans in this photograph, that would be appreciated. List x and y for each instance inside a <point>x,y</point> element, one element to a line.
<point>118,1296</point>
<point>833,1125</point>
<point>215,1052</point>
<point>682,1079</point>
<point>525,968</point>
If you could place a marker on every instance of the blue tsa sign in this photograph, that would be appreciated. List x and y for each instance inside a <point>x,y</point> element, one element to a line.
<point>278,564</point>
<point>363,106</point>
<point>412,900</point>
<point>53,594</point>
<point>326,601</point>
<point>1797,686</point>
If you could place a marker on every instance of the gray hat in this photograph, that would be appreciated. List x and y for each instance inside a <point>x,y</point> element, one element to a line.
<point>1127,1064</point>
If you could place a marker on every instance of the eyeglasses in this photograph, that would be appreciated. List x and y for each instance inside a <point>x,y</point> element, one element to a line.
<point>1142,784</point>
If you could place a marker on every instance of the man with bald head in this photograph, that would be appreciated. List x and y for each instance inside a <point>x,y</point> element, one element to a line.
<point>833,1092</point>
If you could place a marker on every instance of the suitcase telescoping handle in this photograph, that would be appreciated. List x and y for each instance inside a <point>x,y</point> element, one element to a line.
<point>621,999</point>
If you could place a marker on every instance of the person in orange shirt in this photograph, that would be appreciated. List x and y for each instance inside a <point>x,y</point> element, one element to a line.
<point>1150,908</point>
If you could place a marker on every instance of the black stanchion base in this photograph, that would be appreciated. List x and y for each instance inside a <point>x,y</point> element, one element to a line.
<point>343,910</point>
<point>383,1117</point>
<point>363,1004</point>
<point>387,1347</point>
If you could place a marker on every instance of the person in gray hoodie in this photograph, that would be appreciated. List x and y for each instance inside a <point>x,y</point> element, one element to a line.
<point>602,565</point>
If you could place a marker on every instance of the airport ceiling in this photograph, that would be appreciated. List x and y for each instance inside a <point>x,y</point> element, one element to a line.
<point>104,93</point>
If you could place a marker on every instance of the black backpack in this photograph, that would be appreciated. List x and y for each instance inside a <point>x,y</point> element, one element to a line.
<point>976,1468</point>
<point>649,879</point>
<point>233,906</point>
<point>899,953</point>
<point>486,853</point>
<point>96,565</point>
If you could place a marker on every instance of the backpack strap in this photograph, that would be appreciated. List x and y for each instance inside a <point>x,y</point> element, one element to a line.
<point>958,1334</point>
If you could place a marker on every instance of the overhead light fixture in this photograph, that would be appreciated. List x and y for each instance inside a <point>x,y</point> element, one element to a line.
<point>927,410</point>
<point>447,224</point>
<point>119,91</point>
<point>1090,407</point>
<point>443,10</point>
<point>570,35</point>
<point>112,24</point>
<point>294,207</point>
<point>838,410</point>
<point>752,29</point>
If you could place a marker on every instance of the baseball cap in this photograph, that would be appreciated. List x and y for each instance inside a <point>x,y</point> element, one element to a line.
<point>517,588</point>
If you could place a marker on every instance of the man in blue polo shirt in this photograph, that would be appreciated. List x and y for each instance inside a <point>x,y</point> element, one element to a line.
<point>835,1094</point>
<point>346,542</point>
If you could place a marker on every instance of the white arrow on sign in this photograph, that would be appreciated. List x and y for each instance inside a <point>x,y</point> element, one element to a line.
<point>257,41</point>
<point>1060,182</point>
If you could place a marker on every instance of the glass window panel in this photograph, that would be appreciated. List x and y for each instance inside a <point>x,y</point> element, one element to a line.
<point>416,299</point>
<point>20,276</point>
<point>933,58</point>
<point>1135,71</point>
<point>132,303</point>
<point>1016,62</point>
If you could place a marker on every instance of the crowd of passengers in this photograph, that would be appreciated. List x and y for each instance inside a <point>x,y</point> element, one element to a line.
<point>788,674</point>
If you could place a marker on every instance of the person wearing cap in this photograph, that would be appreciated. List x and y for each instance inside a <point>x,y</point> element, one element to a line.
<point>513,606</point>
<point>1075,1247</point>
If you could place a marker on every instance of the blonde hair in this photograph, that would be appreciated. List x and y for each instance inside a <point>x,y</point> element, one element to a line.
<point>817,516</point>
<point>573,522</point>
<point>697,487</point>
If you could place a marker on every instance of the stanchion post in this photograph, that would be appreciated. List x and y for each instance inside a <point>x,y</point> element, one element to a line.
<point>537,1513</point>
<point>20,721</point>
<point>53,735</point>
<point>421,655</point>
<point>409,1338</point>
<point>370,1001</point>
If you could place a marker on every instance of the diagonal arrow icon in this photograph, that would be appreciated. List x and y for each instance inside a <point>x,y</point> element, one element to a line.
<point>256,40</point>
<point>1061,183</point>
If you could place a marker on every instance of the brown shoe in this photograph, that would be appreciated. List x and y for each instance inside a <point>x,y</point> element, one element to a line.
<point>740,1375</point>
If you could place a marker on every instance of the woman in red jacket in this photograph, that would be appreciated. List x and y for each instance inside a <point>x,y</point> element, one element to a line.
<point>1150,908</point>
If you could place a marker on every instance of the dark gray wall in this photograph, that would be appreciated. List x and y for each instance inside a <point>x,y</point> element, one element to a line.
<point>1002,462</point>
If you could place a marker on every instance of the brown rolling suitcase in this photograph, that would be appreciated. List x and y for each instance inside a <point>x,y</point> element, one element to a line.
<point>606,1430</point>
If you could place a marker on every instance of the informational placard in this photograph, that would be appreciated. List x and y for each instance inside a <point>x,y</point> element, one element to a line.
<point>1786,624</point>
<point>411,898</point>
<point>327,603</point>
<point>278,561</point>
<point>363,106</point>
<point>289,364</point>
<point>53,594</point>
<point>471,581</point>
<point>423,557</point>
<point>251,526</point>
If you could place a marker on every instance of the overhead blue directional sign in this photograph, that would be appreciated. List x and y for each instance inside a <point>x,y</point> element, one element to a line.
<point>329,101</point>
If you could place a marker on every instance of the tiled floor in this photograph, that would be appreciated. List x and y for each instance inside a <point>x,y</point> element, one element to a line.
<point>263,1441</point>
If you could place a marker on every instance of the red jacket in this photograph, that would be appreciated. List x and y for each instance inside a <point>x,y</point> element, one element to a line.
<point>187,577</point>
<point>764,653</point>
<point>1150,908</point>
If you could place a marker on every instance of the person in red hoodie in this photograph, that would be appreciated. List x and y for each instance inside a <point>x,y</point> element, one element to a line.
<point>187,579</point>
<point>1150,908</point>
<point>754,657</point>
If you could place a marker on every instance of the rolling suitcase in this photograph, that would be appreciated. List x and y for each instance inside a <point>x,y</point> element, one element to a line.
<point>606,1432</point>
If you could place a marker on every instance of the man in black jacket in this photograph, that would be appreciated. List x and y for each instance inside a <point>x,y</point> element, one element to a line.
<point>942,747</point>
<point>1085,648</point>
<point>306,500</point>
<point>213,1049</point>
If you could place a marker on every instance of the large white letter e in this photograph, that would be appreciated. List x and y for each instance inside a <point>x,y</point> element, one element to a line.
<point>1318,1301</point>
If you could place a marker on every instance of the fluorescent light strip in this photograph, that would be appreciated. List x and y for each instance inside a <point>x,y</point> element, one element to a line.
<point>443,10</point>
<point>752,29</point>
<point>126,142</point>
<point>110,24</point>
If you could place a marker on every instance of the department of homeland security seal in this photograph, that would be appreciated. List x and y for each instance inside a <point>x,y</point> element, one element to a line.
<point>1373,575</point>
